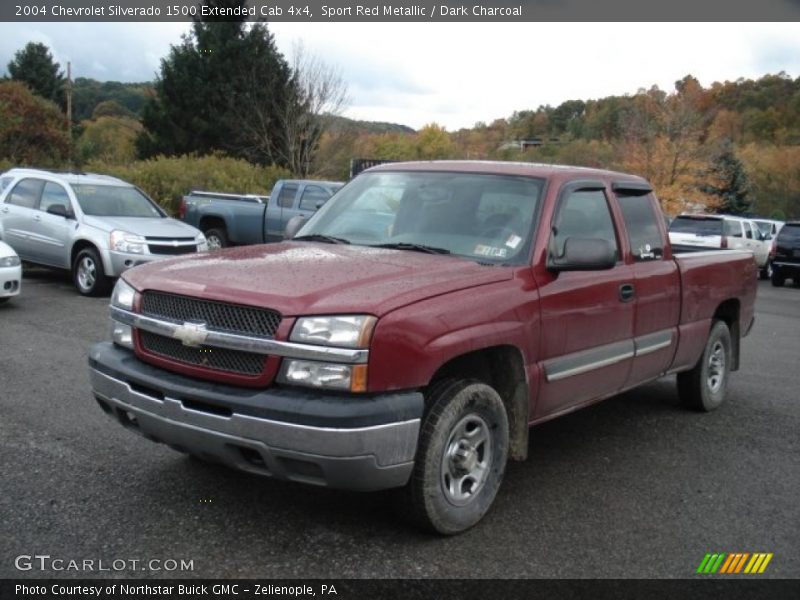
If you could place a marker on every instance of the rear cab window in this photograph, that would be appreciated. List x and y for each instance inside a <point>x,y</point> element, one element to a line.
<point>642,224</point>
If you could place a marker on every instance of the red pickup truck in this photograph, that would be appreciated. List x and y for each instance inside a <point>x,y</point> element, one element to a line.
<point>417,325</point>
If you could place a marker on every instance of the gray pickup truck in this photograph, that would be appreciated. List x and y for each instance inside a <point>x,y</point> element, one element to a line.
<point>95,226</point>
<point>231,219</point>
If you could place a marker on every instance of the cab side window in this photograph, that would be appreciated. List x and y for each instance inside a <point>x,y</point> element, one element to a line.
<point>53,194</point>
<point>641,221</point>
<point>583,214</point>
<point>312,196</point>
<point>26,193</point>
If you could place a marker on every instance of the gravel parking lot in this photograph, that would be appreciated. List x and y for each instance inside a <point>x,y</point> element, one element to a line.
<point>633,487</point>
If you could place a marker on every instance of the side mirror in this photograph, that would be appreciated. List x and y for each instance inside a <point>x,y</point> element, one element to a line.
<point>584,254</point>
<point>320,204</point>
<point>293,226</point>
<point>58,209</point>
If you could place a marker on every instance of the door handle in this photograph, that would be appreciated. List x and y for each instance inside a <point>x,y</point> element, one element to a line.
<point>626,292</point>
<point>5,209</point>
<point>37,218</point>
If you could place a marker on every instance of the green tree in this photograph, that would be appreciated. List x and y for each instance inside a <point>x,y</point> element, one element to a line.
<point>728,181</point>
<point>221,89</point>
<point>111,139</point>
<point>33,130</point>
<point>34,66</point>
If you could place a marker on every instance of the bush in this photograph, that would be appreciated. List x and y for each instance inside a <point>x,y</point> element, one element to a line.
<point>166,179</point>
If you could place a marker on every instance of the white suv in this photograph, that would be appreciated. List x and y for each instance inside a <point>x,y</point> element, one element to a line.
<point>690,233</point>
<point>92,225</point>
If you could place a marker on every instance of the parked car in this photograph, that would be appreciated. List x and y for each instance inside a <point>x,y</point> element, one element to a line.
<point>96,226</point>
<point>769,231</point>
<point>234,219</point>
<point>10,273</point>
<point>785,255</point>
<point>416,353</point>
<point>697,232</point>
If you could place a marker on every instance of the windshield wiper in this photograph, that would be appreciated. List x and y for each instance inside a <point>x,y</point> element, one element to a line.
<point>415,247</point>
<point>319,237</point>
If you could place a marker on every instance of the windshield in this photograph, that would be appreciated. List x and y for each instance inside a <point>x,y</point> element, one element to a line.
<point>698,225</point>
<point>114,201</point>
<point>487,218</point>
<point>790,233</point>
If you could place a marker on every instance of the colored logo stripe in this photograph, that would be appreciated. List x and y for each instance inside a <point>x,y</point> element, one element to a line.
<point>735,563</point>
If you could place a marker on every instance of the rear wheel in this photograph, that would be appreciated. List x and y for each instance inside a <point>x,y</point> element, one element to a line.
<point>777,278</point>
<point>217,238</point>
<point>704,387</point>
<point>88,274</point>
<point>461,457</point>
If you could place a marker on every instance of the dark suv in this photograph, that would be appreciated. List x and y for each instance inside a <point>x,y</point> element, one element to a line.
<point>786,255</point>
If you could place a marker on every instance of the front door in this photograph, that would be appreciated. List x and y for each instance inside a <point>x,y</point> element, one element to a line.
<point>587,317</point>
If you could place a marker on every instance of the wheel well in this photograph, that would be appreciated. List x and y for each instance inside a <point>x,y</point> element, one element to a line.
<point>207,223</point>
<point>77,247</point>
<point>728,312</point>
<point>502,368</point>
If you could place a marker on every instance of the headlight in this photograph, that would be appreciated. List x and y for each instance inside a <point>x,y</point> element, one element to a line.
<point>343,331</point>
<point>122,241</point>
<point>202,243</point>
<point>9,261</point>
<point>123,295</point>
<point>329,376</point>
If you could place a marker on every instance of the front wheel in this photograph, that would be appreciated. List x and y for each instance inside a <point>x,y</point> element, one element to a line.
<point>461,457</point>
<point>703,388</point>
<point>88,274</point>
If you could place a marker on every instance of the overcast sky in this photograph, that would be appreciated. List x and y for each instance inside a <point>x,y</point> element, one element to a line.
<point>455,74</point>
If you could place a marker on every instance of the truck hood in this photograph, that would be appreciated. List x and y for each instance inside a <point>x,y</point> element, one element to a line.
<point>146,227</point>
<point>301,278</point>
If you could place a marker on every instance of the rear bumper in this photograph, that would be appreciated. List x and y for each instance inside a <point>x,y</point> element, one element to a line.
<point>348,442</point>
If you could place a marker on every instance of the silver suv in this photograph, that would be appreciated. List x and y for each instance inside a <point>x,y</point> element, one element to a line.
<point>93,225</point>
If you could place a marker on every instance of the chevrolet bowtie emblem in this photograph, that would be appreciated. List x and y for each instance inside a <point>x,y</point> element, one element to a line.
<point>191,334</point>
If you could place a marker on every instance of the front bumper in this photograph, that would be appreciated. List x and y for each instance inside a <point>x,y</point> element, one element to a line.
<point>122,261</point>
<point>10,281</point>
<point>344,441</point>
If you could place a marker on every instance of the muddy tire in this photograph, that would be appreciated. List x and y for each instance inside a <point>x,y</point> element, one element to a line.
<point>461,458</point>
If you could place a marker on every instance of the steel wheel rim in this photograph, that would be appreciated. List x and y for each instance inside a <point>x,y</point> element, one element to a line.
<point>716,367</point>
<point>466,460</point>
<point>87,273</point>
<point>214,243</point>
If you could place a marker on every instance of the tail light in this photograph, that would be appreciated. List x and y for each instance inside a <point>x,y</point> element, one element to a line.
<point>723,242</point>
<point>773,249</point>
<point>182,208</point>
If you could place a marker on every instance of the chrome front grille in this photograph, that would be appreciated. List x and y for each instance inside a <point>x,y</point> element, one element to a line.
<point>220,359</point>
<point>220,316</point>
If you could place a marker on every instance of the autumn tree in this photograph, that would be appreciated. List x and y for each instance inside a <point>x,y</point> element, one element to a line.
<point>35,67</point>
<point>32,129</point>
